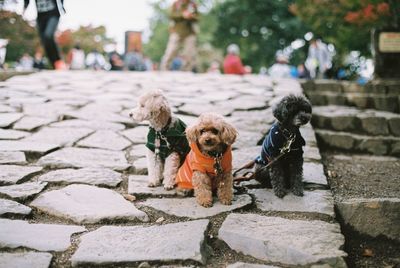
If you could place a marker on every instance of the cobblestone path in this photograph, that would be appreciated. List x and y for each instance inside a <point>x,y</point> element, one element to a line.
<point>69,154</point>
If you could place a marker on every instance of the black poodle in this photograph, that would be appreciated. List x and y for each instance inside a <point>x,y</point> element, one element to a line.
<point>286,171</point>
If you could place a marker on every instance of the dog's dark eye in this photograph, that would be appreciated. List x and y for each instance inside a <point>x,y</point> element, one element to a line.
<point>214,131</point>
<point>202,131</point>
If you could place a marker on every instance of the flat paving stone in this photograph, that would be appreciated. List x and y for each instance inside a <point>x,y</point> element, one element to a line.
<point>138,151</point>
<point>94,114</point>
<point>293,242</point>
<point>125,244</point>
<point>9,134</point>
<point>318,201</point>
<point>7,119</point>
<point>93,124</point>
<point>59,136</point>
<point>24,190</point>
<point>14,208</point>
<point>137,185</point>
<point>25,260</point>
<point>42,237</point>
<point>30,123</point>
<point>140,166</point>
<point>311,153</point>
<point>11,174</point>
<point>244,155</point>
<point>12,158</point>
<point>87,204</point>
<point>105,139</point>
<point>137,134</point>
<point>93,176</point>
<point>51,110</point>
<point>313,173</point>
<point>188,207</point>
<point>27,146</point>
<point>83,157</point>
<point>249,265</point>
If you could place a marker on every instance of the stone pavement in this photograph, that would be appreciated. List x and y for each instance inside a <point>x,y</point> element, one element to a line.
<point>69,154</point>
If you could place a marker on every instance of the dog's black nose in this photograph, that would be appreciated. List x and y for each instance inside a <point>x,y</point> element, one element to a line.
<point>208,141</point>
<point>130,114</point>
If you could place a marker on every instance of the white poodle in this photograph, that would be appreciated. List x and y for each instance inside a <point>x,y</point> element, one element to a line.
<point>166,139</point>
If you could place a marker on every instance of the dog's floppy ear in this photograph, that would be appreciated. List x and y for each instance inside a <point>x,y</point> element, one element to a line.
<point>280,112</point>
<point>192,133</point>
<point>228,133</point>
<point>160,108</point>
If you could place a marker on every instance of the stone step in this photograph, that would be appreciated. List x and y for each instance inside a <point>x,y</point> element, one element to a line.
<point>366,122</point>
<point>381,102</point>
<point>375,86</point>
<point>372,216</point>
<point>377,145</point>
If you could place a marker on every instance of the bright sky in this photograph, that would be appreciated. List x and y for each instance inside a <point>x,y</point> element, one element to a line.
<point>117,15</point>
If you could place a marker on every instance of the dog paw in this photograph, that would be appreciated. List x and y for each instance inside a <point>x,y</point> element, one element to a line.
<point>298,192</point>
<point>280,193</point>
<point>169,187</point>
<point>205,203</point>
<point>226,202</point>
<point>153,184</point>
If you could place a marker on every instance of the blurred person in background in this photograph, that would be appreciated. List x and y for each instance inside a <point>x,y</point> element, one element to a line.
<point>319,59</point>
<point>281,68</point>
<point>38,61</point>
<point>25,63</point>
<point>116,62</point>
<point>48,16</point>
<point>96,61</point>
<point>134,61</point>
<point>183,29</point>
<point>232,62</point>
<point>3,51</point>
<point>76,58</point>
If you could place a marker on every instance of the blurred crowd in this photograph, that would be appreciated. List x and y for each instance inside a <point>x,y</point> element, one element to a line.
<point>180,53</point>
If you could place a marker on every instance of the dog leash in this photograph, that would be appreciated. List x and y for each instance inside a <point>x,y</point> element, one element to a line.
<point>249,175</point>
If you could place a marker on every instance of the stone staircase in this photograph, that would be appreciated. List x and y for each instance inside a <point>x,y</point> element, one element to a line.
<point>358,130</point>
<point>354,118</point>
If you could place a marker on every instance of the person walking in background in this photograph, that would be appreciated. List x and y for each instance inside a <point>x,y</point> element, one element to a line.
<point>184,17</point>
<point>318,59</point>
<point>232,62</point>
<point>48,16</point>
<point>76,58</point>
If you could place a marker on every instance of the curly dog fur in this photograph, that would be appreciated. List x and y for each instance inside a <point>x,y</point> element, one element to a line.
<point>154,107</point>
<point>287,172</point>
<point>213,136</point>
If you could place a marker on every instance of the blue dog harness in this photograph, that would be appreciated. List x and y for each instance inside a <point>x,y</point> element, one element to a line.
<point>278,140</point>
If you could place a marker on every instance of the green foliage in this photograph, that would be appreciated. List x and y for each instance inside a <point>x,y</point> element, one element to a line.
<point>159,27</point>
<point>22,37</point>
<point>259,27</point>
<point>347,23</point>
<point>90,38</point>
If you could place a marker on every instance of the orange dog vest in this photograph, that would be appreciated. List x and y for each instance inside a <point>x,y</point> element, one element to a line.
<point>195,160</point>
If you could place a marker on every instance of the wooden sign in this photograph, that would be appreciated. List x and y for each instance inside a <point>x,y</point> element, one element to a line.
<point>133,41</point>
<point>389,42</point>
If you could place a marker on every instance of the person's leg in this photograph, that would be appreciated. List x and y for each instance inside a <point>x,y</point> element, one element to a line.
<point>171,51</point>
<point>47,28</point>
<point>189,52</point>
